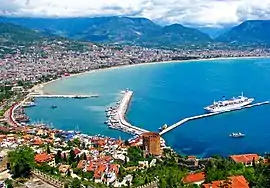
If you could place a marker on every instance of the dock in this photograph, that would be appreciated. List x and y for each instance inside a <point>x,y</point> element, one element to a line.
<point>63,96</point>
<point>169,128</point>
<point>117,119</point>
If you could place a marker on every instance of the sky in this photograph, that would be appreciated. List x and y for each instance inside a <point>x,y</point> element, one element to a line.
<point>207,13</point>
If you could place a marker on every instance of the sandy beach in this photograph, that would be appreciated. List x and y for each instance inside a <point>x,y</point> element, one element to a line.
<point>39,88</point>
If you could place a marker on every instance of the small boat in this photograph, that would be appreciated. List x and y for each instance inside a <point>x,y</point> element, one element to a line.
<point>53,106</point>
<point>237,135</point>
<point>163,127</point>
<point>28,104</point>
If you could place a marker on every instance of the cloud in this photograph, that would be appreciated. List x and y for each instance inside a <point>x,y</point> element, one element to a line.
<point>211,13</point>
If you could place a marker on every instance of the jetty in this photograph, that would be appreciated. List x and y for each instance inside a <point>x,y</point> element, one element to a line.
<point>169,128</point>
<point>63,96</point>
<point>117,118</point>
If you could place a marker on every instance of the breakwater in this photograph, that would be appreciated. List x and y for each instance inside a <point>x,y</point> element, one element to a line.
<point>169,128</point>
<point>116,116</point>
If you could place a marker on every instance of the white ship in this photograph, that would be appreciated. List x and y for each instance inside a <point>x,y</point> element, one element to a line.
<point>28,104</point>
<point>231,104</point>
<point>237,135</point>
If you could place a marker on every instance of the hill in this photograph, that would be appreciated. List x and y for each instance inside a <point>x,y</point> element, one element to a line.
<point>249,32</point>
<point>10,34</point>
<point>120,30</point>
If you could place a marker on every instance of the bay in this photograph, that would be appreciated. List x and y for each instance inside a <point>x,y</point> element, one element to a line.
<point>167,93</point>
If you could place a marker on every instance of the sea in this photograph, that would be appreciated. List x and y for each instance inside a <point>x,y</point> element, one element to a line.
<point>165,93</point>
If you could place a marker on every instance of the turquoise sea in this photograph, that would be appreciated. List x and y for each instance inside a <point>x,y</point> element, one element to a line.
<point>167,93</point>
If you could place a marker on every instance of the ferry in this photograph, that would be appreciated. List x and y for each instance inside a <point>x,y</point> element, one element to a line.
<point>237,135</point>
<point>230,104</point>
<point>28,104</point>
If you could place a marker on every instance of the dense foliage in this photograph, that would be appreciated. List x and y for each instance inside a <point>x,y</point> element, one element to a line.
<point>258,175</point>
<point>21,161</point>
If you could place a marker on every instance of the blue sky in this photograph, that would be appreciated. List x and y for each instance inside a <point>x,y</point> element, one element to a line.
<point>211,13</point>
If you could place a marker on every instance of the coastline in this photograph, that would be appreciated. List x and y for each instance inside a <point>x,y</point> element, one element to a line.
<point>39,88</point>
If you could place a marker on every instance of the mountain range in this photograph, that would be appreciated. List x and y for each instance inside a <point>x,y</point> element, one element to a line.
<point>120,30</point>
<point>11,34</point>
<point>140,31</point>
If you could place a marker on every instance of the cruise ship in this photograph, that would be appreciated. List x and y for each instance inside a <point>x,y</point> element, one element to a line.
<point>230,104</point>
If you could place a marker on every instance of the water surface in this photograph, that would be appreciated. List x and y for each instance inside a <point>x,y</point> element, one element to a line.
<point>167,93</point>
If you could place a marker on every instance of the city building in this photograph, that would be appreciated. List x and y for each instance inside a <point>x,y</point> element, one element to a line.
<point>151,143</point>
<point>45,158</point>
<point>231,182</point>
<point>245,159</point>
<point>195,178</point>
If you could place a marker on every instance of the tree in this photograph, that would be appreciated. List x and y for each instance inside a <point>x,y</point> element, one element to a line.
<point>21,161</point>
<point>68,172</point>
<point>72,156</point>
<point>8,183</point>
<point>84,156</point>
<point>48,149</point>
<point>127,143</point>
<point>58,157</point>
<point>77,142</point>
<point>76,183</point>
<point>65,158</point>
<point>83,145</point>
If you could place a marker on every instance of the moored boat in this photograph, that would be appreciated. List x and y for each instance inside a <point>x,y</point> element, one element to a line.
<point>28,104</point>
<point>163,127</point>
<point>230,104</point>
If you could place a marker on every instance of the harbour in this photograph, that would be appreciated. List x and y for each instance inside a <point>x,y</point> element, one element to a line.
<point>183,121</point>
<point>116,116</point>
<point>152,106</point>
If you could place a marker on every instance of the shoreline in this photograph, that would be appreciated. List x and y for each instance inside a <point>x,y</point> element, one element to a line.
<point>39,88</point>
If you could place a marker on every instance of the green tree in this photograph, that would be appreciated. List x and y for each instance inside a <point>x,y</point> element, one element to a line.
<point>66,185</point>
<point>65,158</point>
<point>8,183</point>
<point>48,149</point>
<point>72,156</point>
<point>21,161</point>
<point>84,156</point>
<point>126,143</point>
<point>76,183</point>
<point>58,157</point>
<point>83,145</point>
<point>68,173</point>
<point>77,142</point>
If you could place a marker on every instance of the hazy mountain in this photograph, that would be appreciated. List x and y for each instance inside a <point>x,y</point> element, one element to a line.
<point>114,30</point>
<point>214,32</point>
<point>252,32</point>
<point>10,33</point>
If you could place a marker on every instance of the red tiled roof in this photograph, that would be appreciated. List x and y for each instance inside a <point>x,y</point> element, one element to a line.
<point>37,142</point>
<point>234,182</point>
<point>245,158</point>
<point>191,157</point>
<point>193,178</point>
<point>77,151</point>
<point>43,157</point>
<point>99,171</point>
<point>114,168</point>
<point>81,164</point>
<point>90,167</point>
